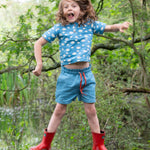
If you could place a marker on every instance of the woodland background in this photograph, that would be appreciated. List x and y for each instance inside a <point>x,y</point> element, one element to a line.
<point>120,63</point>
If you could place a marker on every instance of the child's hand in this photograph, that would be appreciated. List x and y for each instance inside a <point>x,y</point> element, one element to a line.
<point>37,71</point>
<point>124,26</point>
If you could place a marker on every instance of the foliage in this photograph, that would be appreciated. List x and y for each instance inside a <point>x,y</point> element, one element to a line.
<point>119,60</point>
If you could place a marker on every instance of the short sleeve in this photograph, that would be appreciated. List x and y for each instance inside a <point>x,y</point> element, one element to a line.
<point>98,27</point>
<point>52,33</point>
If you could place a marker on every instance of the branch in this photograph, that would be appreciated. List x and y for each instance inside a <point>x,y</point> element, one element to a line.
<point>50,56</point>
<point>115,39</point>
<point>134,90</point>
<point>116,46</point>
<point>145,38</point>
<point>54,66</point>
<point>99,7</point>
<point>133,20</point>
<point>11,68</point>
<point>22,40</point>
<point>104,46</point>
<point>94,49</point>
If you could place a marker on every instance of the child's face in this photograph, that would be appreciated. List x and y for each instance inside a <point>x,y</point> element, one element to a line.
<point>71,10</point>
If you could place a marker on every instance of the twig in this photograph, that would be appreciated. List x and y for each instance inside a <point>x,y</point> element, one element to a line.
<point>99,7</point>
<point>106,123</point>
<point>133,20</point>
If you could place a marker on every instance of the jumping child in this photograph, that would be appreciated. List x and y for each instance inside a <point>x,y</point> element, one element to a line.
<point>77,24</point>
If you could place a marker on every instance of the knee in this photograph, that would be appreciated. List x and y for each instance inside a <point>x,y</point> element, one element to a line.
<point>60,110</point>
<point>90,112</point>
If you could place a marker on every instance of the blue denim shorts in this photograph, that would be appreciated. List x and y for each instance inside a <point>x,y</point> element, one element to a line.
<point>73,83</point>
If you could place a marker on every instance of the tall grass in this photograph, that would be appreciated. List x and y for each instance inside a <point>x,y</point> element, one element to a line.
<point>15,87</point>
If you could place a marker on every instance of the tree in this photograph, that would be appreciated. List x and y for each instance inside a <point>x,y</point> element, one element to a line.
<point>121,63</point>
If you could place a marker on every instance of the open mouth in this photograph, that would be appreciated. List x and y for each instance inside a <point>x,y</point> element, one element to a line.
<point>70,15</point>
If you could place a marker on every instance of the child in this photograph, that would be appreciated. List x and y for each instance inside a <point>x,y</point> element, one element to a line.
<point>77,24</point>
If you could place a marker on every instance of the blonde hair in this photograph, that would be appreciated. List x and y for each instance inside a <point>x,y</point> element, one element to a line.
<point>87,12</point>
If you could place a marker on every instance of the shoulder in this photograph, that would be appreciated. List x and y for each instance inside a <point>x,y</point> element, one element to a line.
<point>94,24</point>
<point>57,27</point>
<point>98,27</point>
<point>97,24</point>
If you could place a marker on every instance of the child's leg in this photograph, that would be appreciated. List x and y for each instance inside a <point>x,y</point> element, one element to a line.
<point>57,115</point>
<point>98,136</point>
<point>93,121</point>
<point>49,133</point>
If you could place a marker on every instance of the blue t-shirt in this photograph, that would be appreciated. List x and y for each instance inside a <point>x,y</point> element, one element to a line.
<point>74,41</point>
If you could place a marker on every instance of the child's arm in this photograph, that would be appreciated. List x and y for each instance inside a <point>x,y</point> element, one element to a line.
<point>117,27</point>
<point>38,55</point>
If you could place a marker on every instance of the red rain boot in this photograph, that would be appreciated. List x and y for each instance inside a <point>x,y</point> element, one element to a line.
<point>98,141</point>
<point>46,141</point>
